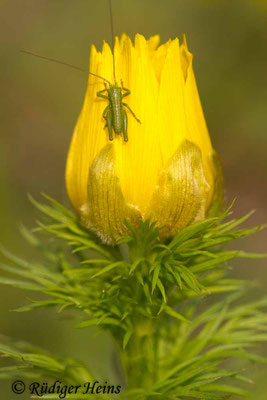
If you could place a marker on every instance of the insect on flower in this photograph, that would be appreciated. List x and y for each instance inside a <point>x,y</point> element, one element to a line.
<point>114,113</point>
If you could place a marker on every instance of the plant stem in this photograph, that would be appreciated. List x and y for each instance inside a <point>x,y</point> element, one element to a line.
<point>140,357</point>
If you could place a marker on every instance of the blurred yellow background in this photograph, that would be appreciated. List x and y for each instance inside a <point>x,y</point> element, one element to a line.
<point>40,102</point>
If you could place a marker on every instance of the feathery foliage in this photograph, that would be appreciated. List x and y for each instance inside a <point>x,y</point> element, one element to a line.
<point>152,296</point>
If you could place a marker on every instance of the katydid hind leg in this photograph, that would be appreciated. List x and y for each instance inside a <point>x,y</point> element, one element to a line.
<point>105,112</point>
<point>108,119</point>
<point>125,125</point>
<point>104,115</point>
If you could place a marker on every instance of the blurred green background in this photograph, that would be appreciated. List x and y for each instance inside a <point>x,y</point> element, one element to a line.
<point>40,102</point>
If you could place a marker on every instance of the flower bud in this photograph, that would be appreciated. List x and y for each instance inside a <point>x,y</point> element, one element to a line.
<point>167,171</point>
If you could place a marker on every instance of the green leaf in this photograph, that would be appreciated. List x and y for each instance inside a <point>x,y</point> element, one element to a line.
<point>162,290</point>
<point>126,338</point>
<point>109,268</point>
<point>175,314</point>
<point>155,277</point>
<point>226,389</point>
<point>96,321</point>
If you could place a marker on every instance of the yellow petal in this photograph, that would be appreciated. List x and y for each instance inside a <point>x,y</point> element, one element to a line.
<point>172,129</point>
<point>196,124</point>
<point>137,160</point>
<point>179,198</point>
<point>106,210</point>
<point>89,136</point>
<point>153,43</point>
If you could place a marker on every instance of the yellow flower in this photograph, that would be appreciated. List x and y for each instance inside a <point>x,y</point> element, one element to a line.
<point>167,171</point>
